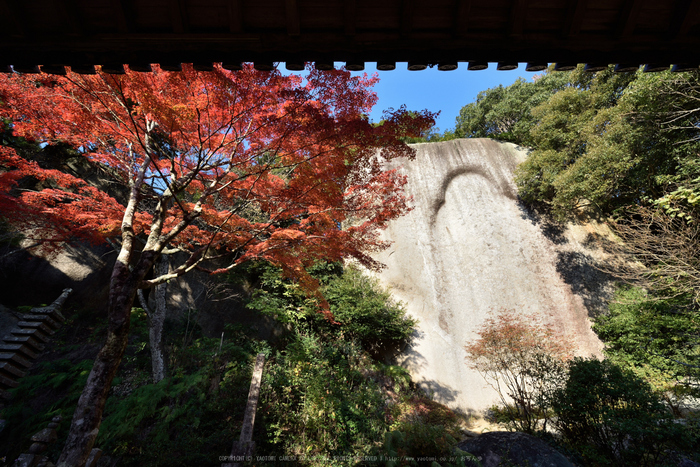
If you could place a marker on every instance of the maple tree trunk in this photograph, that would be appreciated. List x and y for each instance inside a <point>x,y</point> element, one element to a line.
<point>156,321</point>
<point>88,413</point>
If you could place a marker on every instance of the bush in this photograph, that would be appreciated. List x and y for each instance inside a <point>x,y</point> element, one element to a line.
<point>657,339</point>
<point>523,361</point>
<point>51,388</point>
<point>362,310</point>
<point>318,401</point>
<point>190,417</point>
<point>612,417</point>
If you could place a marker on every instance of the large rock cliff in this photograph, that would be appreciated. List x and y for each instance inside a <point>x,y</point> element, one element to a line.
<point>470,247</point>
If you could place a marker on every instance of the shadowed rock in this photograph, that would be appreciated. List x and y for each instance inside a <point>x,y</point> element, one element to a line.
<point>517,449</point>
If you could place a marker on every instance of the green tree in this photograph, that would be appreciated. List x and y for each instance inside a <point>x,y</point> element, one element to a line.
<point>505,112</point>
<point>613,418</point>
<point>362,310</point>
<point>657,339</point>
<point>618,141</point>
<point>567,169</point>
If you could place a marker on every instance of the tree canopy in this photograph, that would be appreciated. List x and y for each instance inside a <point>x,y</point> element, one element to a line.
<point>225,166</point>
<point>619,140</point>
<point>504,113</point>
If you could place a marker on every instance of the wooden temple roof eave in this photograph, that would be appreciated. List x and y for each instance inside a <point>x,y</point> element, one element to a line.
<point>151,31</point>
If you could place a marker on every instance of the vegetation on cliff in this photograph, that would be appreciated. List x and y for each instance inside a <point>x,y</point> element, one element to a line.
<point>326,390</point>
<point>622,147</point>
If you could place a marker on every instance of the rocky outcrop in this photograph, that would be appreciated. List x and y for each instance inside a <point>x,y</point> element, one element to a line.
<point>27,278</point>
<point>30,277</point>
<point>500,448</point>
<point>470,247</point>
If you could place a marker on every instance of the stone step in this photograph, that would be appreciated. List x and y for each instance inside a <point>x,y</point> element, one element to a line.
<point>28,340</point>
<point>7,383</point>
<point>33,332</point>
<point>16,359</point>
<point>5,395</point>
<point>37,325</point>
<point>10,370</point>
<point>43,318</point>
<point>22,349</point>
<point>49,311</point>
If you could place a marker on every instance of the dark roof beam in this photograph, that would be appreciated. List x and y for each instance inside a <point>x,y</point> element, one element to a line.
<point>574,18</point>
<point>72,16</point>
<point>536,66</point>
<point>350,17</point>
<point>291,9</point>
<point>235,16</point>
<point>407,9</point>
<point>477,66</point>
<point>354,65</point>
<point>461,22</point>
<point>686,11</point>
<point>595,67</point>
<point>628,18</point>
<point>517,18</point>
<point>121,9</point>
<point>16,14</point>
<point>177,16</point>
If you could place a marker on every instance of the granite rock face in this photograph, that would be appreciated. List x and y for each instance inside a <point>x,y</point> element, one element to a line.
<point>506,448</point>
<point>469,247</point>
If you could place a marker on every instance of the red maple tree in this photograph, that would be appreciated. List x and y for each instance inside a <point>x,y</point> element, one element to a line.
<point>222,165</point>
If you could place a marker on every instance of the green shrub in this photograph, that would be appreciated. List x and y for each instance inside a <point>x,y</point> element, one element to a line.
<point>316,400</point>
<point>612,417</point>
<point>190,417</point>
<point>657,339</point>
<point>366,312</point>
<point>52,388</point>
<point>361,309</point>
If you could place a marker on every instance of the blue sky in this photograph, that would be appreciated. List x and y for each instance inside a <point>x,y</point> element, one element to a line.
<point>445,91</point>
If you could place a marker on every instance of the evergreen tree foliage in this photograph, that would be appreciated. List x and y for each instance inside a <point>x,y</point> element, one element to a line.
<point>504,113</point>
<point>657,339</point>
<point>613,418</point>
<point>361,309</point>
<point>620,140</point>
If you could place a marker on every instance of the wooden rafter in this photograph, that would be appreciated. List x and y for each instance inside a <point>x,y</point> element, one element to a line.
<point>541,31</point>
<point>72,15</point>
<point>17,16</point>
<point>407,10</point>
<point>177,16</point>
<point>574,18</point>
<point>235,16</point>
<point>121,12</point>
<point>461,21</point>
<point>350,17</point>
<point>628,18</point>
<point>517,18</point>
<point>291,9</point>
<point>687,11</point>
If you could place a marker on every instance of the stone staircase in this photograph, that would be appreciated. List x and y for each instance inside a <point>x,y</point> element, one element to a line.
<point>26,340</point>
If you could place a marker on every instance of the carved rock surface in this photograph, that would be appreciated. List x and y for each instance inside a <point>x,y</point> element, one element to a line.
<point>470,247</point>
